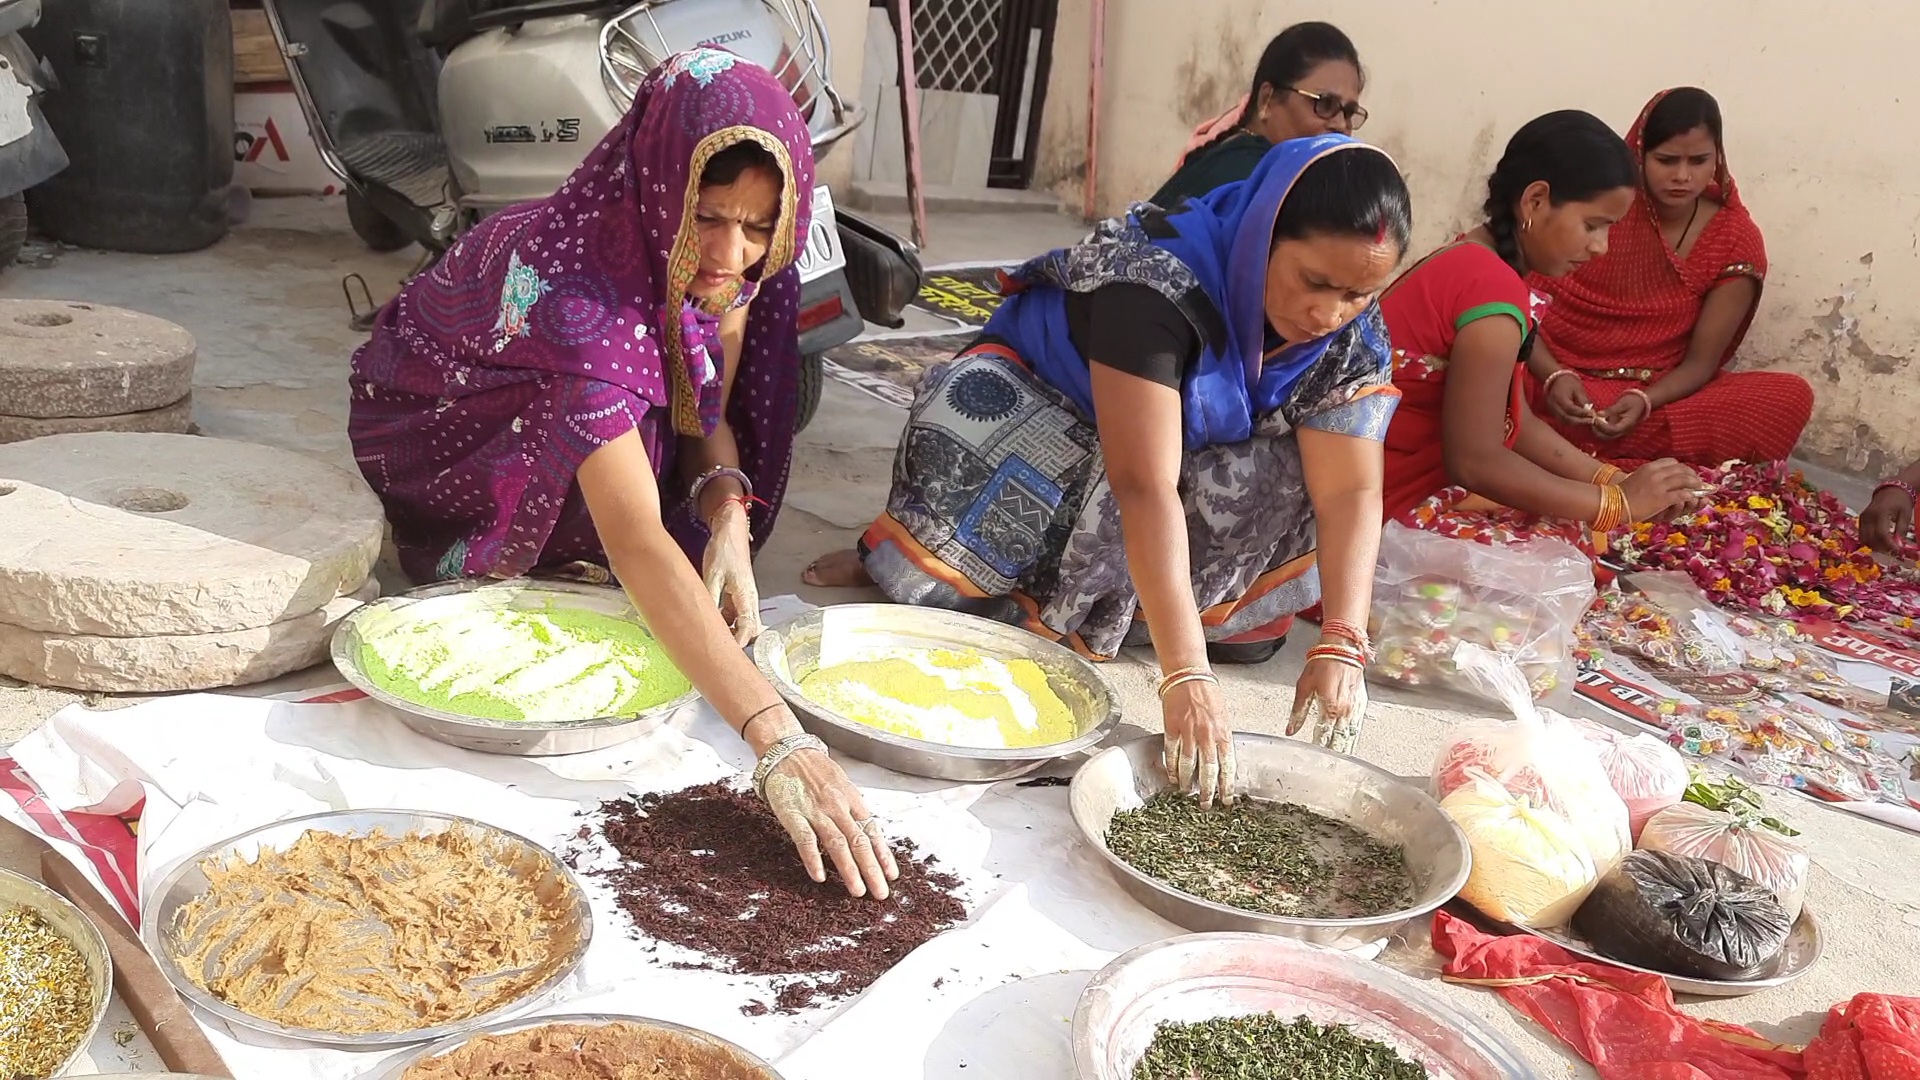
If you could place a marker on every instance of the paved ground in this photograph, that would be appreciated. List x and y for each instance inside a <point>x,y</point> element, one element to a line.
<point>274,342</point>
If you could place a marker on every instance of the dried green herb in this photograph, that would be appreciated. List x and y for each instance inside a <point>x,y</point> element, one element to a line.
<point>46,995</point>
<point>1265,1047</point>
<point>1266,857</point>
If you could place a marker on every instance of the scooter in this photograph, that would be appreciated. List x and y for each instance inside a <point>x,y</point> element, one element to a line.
<point>29,152</point>
<point>437,113</point>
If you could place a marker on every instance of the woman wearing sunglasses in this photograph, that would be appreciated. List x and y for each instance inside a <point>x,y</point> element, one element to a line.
<point>1308,83</point>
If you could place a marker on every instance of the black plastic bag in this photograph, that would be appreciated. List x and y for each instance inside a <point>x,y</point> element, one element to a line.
<point>1684,916</point>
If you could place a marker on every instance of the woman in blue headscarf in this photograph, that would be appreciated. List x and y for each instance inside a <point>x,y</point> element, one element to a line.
<point>1151,431</point>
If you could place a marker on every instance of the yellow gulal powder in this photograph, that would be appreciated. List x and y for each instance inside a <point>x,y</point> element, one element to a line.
<point>946,696</point>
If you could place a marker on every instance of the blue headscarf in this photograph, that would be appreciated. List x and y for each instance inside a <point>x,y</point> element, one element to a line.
<point>1224,239</point>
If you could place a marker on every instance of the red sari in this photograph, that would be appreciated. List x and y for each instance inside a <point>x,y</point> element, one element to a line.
<point>1626,319</point>
<point>1425,309</point>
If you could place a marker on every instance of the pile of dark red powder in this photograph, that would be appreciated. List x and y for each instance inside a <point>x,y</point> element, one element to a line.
<point>709,869</point>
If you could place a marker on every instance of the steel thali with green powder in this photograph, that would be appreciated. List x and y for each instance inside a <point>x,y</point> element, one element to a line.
<point>550,664</point>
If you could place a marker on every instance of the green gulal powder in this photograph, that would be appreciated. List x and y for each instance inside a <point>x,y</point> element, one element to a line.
<point>1265,1047</point>
<point>1266,857</point>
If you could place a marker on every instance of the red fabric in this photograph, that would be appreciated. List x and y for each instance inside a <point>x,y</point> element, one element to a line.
<point>1872,1037</point>
<point>1744,416</point>
<point>1635,308</point>
<point>1422,310</point>
<point>1622,1022</point>
<point>1625,1023</point>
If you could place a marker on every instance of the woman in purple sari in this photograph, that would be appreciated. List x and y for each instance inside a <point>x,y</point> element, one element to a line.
<point>605,380</point>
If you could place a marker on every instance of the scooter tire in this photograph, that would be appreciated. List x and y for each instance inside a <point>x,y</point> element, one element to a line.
<point>13,227</point>
<point>376,230</point>
<point>812,376</point>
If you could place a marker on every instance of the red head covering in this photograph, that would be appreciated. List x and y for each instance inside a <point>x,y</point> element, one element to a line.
<point>1635,306</point>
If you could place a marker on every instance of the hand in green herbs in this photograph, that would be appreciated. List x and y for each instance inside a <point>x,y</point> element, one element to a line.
<point>1199,744</point>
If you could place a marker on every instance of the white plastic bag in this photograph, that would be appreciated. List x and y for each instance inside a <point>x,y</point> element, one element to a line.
<point>1645,772</point>
<point>1539,755</point>
<point>1746,847</point>
<point>1432,592</point>
<point>1529,865</point>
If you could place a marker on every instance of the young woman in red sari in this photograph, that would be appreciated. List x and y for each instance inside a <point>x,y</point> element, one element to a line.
<point>1464,454</point>
<point>1629,365</point>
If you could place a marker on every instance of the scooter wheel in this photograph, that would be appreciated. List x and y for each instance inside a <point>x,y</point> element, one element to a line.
<point>13,227</point>
<point>374,229</point>
<point>812,375</point>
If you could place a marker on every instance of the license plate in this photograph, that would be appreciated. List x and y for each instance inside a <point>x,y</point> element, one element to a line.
<point>820,251</point>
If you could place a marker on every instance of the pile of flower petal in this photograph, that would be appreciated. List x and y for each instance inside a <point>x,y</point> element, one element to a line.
<point>1769,541</point>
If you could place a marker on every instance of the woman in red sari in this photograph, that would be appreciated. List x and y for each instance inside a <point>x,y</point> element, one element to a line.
<point>1465,456</point>
<point>1629,365</point>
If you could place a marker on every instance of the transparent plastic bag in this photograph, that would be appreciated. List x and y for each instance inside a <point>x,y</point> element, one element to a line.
<point>1523,601</point>
<point>1530,866</point>
<point>1647,773</point>
<point>1538,755</point>
<point>1746,846</point>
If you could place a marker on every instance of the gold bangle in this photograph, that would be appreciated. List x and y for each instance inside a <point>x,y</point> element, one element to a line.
<point>1607,474</point>
<point>1181,678</point>
<point>1613,509</point>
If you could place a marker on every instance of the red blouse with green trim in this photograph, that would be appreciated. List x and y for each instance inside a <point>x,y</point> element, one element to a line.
<point>1425,309</point>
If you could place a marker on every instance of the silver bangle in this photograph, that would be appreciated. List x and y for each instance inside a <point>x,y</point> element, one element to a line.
<point>780,751</point>
<point>700,483</point>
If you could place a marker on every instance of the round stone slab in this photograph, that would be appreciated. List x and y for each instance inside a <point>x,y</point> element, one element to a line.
<point>168,662</point>
<point>68,358</point>
<point>129,535</point>
<point>175,419</point>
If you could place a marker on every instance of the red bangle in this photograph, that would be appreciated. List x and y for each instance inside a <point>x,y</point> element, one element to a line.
<point>1902,485</point>
<point>1347,631</point>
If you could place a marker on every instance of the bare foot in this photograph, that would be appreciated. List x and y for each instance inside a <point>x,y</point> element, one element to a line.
<point>838,570</point>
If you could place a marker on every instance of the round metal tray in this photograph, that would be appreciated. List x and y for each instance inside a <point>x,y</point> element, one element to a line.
<point>185,881</point>
<point>1803,949</point>
<point>71,923</point>
<point>400,1063</point>
<point>1346,789</point>
<point>789,653</point>
<point>499,736</point>
<point>1202,976</point>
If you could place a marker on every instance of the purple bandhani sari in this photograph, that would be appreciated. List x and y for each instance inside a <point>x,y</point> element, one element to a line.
<point>554,327</point>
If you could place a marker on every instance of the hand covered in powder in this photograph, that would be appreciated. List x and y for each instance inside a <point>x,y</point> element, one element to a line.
<point>1199,743</point>
<point>728,569</point>
<point>1330,701</point>
<point>821,809</point>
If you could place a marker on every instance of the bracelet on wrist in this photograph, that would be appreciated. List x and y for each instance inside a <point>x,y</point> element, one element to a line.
<point>1897,484</point>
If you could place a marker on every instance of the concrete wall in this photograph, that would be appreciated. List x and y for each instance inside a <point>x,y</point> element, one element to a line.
<point>846,22</point>
<point>1822,118</point>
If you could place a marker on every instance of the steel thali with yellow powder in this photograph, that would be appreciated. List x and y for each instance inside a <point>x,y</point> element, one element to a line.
<point>936,693</point>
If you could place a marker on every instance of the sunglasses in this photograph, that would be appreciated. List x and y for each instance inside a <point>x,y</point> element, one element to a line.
<point>1328,106</point>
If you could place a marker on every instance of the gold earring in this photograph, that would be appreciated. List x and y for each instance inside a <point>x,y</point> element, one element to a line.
<point>1527,225</point>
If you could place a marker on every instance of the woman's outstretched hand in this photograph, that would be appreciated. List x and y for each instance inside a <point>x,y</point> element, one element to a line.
<point>727,568</point>
<point>1886,525</point>
<point>823,813</point>
<point>1199,742</point>
<point>1333,696</point>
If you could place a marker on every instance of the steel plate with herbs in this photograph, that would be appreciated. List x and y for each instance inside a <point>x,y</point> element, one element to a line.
<point>46,995</point>
<point>1272,858</point>
<point>1264,1047</point>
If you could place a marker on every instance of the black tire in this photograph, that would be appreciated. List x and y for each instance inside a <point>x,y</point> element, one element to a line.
<point>812,376</point>
<point>374,229</point>
<point>13,227</point>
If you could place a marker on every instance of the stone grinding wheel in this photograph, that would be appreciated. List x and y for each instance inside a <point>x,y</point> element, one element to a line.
<point>132,535</point>
<point>63,358</point>
<point>165,663</point>
<point>175,419</point>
